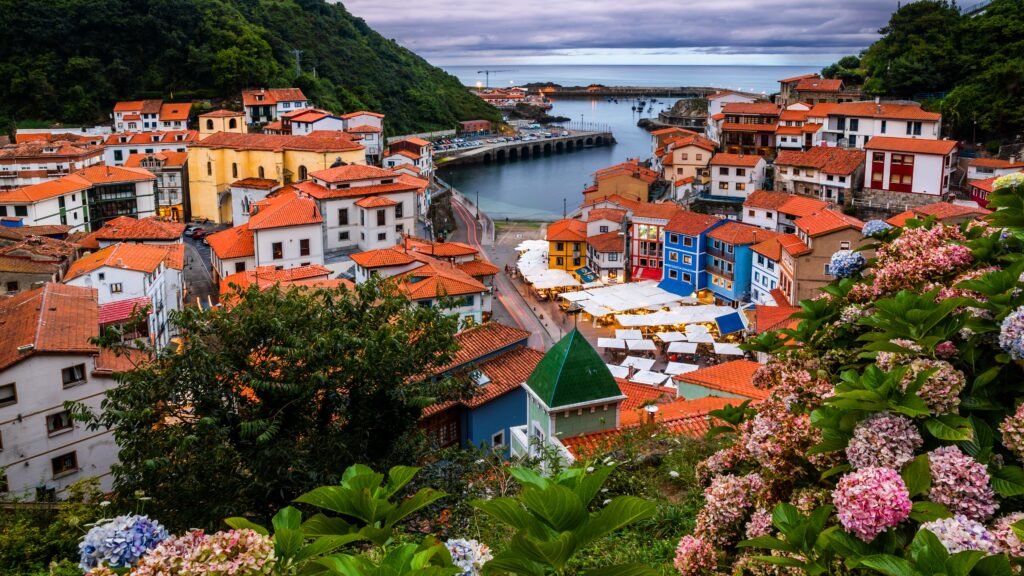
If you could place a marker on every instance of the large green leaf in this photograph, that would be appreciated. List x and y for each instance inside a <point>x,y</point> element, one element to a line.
<point>398,477</point>
<point>528,477</point>
<point>325,545</point>
<point>508,563</point>
<point>889,565</point>
<point>917,475</point>
<point>619,513</point>
<point>323,525</point>
<point>926,511</point>
<point>421,499</point>
<point>557,506</point>
<point>510,511</point>
<point>1007,481</point>
<point>961,563</point>
<point>239,523</point>
<point>622,570</point>
<point>998,565</point>
<point>554,553</point>
<point>928,553</point>
<point>589,485</point>
<point>949,427</point>
<point>288,517</point>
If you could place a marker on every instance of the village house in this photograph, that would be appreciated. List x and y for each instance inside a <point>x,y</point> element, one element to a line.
<point>766,268</point>
<point>37,161</point>
<point>245,193</point>
<point>217,161</point>
<point>728,260</point>
<point>794,131</point>
<point>150,115</point>
<point>852,124</point>
<point>606,243</point>
<point>718,100</point>
<point>747,128</point>
<point>313,276</point>
<point>734,176</point>
<point>84,199</point>
<point>222,121</point>
<point>474,126</point>
<point>686,157</point>
<point>659,138</point>
<point>778,211</point>
<point>907,171</point>
<point>825,90</point>
<point>647,239</point>
<point>171,171</point>
<point>47,359</point>
<point>944,212</point>
<point>628,180</point>
<point>731,380</point>
<point>829,174</point>
<point>151,230</point>
<point>268,104</point>
<point>805,268</point>
<point>134,272</point>
<point>413,252</point>
<point>787,89</point>
<point>415,151</point>
<point>567,246</point>
<point>31,261</point>
<point>498,360</point>
<point>982,168</point>
<point>979,190</point>
<point>686,243</point>
<point>118,147</point>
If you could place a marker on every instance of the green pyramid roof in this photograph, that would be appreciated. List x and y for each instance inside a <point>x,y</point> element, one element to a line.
<point>572,372</point>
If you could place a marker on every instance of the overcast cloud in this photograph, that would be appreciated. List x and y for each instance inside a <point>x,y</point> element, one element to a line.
<point>628,32</point>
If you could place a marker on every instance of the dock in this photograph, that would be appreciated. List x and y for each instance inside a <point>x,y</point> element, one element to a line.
<point>523,150</point>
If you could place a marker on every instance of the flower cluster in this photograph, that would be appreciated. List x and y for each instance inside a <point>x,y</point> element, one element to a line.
<point>889,360</point>
<point>119,542</point>
<point>883,440</point>
<point>1006,538</point>
<point>727,500</point>
<point>872,227</point>
<point>1009,181</point>
<point>941,389</point>
<point>469,555</point>
<point>1013,432</point>
<point>960,533</point>
<point>760,523</point>
<point>918,256</point>
<point>694,556</point>
<point>870,501</point>
<point>961,483</point>
<point>777,437</point>
<point>846,263</point>
<point>1011,334</point>
<point>231,553</point>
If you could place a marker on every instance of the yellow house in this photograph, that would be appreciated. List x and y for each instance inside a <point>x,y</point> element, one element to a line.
<point>222,121</point>
<point>628,180</point>
<point>218,160</point>
<point>687,157</point>
<point>567,245</point>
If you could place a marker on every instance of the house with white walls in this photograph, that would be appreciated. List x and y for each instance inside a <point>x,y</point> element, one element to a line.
<point>908,172</point>
<point>736,175</point>
<point>266,104</point>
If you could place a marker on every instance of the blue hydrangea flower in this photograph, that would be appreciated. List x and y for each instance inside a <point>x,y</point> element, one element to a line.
<point>846,263</point>
<point>1011,334</point>
<point>119,542</point>
<point>872,227</point>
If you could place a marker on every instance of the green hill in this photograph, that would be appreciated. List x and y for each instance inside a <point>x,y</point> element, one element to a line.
<point>70,60</point>
<point>968,64</point>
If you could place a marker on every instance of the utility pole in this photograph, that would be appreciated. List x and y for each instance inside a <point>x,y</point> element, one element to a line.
<point>563,208</point>
<point>298,61</point>
<point>478,204</point>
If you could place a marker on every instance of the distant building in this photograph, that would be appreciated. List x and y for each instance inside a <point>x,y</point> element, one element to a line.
<point>794,131</point>
<point>415,151</point>
<point>852,124</point>
<point>787,89</point>
<point>778,211</point>
<point>686,156</point>
<point>826,173</point>
<point>567,245</point>
<point>606,243</point>
<point>37,161</point>
<point>747,129</point>
<point>728,262</point>
<point>150,116</point>
<point>734,176</point>
<point>981,168</point>
<point>686,245</point>
<point>717,102</point>
<point>908,172</point>
<point>629,180</point>
<point>222,121</point>
<point>171,171</point>
<point>267,104</point>
<point>119,146</point>
<point>944,212</point>
<point>31,261</point>
<point>825,90</point>
<point>474,126</point>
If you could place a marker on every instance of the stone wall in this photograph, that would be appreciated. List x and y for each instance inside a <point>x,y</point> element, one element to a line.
<point>875,203</point>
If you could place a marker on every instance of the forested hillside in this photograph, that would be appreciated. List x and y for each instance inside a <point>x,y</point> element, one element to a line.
<point>69,60</point>
<point>929,48</point>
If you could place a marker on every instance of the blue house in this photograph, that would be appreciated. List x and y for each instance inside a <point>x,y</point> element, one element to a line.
<point>686,244</point>
<point>728,262</point>
<point>496,358</point>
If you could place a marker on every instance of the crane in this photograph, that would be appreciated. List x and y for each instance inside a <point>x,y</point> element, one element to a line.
<point>487,75</point>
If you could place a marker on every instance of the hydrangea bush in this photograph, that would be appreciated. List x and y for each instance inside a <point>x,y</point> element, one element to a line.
<point>893,434</point>
<point>119,542</point>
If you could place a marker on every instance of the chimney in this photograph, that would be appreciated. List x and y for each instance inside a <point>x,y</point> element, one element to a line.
<point>878,105</point>
<point>120,262</point>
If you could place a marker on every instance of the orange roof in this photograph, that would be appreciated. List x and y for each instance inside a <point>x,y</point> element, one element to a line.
<point>405,153</point>
<point>364,129</point>
<point>746,160</point>
<point>567,230</point>
<point>477,268</point>
<point>286,208</point>
<point>483,340</point>
<point>827,221</point>
<point>19,265</point>
<point>765,199</point>
<point>613,214</point>
<point>351,172</point>
<point>234,242</point>
<point>915,145</point>
<point>741,127</point>
<point>940,210</point>
<point>438,249</point>
<point>506,371</point>
<point>994,163</point>
<point>737,233</point>
<point>169,158</point>
<point>317,142</point>
<point>121,310</point>
<point>222,113</point>
<point>402,183</point>
<point>271,96</point>
<point>55,318</point>
<point>662,211</point>
<point>631,168</point>
<point>670,407</point>
<point>175,112</point>
<point>128,228</point>
<point>101,174</point>
<point>797,78</point>
<point>789,130</point>
<point>820,85</point>
<point>793,245</point>
<point>691,223</point>
<point>792,204</point>
<point>37,192</point>
<point>152,137</point>
<point>414,141</point>
<point>626,203</point>
<point>267,276</point>
<point>128,106</point>
<point>988,184</point>
<point>734,377</point>
<point>375,202</point>
<point>793,115</point>
<point>361,113</point>
<point>828,159</point>
<point>770,249</point>
<point>758,108</point>
<point>670,130</point>
<point>383,257</point>
<point>607,242</point>
<point>136,257</point>
<point>891,110</point>
<point>768,318</point>
<point>436,279</point>
<point>256,183</point>
<point>690,140</point>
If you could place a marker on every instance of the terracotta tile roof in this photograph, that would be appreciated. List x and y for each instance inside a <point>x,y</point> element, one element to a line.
<point>765,199</point>
<point>137,257</point>
<point>631,167</point>
<point>375,202</point>
<point>55,318</point>
<point>438,249</point>
<point>222,113</point>
<point>684,181</point>
<point>21,232</point>
<point>182,137</point>
<point>828,159</point>
<point>717,117</point>
<point>612,214</point>
<point>414,141</point>
<point>121,310</point>
<point>888,110</point>
<point>915,145</point>
<point>506,371</point>
<point>811,127</point>
<point>51,150</point>
<point>797,205</point>
<point>745,160</point>
<point>670,130</point>
<point>827,221</point>
<point>741,127</point>
<point>940,210</point>
<point>361,113</point>
<point>720,94</point>
<point>128,228</point>
<point>737,234</point>
<point>670,407</point>
<point>622,202</point>
<point>352,172</point>
<point>364,129</point>
<point>273,127</point>
<point>767,318</point>
<point>234,242</point>
<point>568,230</point>
<point>335,142</point>
<point>478,268</point>
<point>994,163</point>
<point>256,183</point>
<point>789,130</point>
<point>607,242</point>
<point>819,85</point>
<point>286,208</point>
<point>307,115</point>
<point>405,154</point>
<point>109,362</point>
<point>988,184</point>
<point>267,276</point>
<point>437,279</point>
<point>770,249</point>
<point>101,174</point>
<point>797,78</point>
<point>793,245</point>
<point>175,112</point>
<point>169,158</point>
<point>758,108</point>
<point>691,223</point>
<point>734,377</point>
<point>793,115</point>
<point>383,258</point>
<point>271,96</point>
<point>662,211</point>
<point>690,140</point>
<point>19,265</point>
<point>483,340</point>
<point>128,106</point>
<point>52,189</point>
<point>37,248</point>
<point>24,137</point>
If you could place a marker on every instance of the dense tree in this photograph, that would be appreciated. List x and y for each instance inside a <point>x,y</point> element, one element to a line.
<point>274,396</point>
<point>70,60</point>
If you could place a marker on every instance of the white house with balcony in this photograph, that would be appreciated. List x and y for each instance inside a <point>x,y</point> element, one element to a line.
<point>853,124</point>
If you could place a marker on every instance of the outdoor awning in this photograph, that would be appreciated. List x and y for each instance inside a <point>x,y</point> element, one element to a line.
<point>682,348</point>
<point>629,334</point>
<point>671,336</point>
<point>611,343</point>
<point>575,296</point>
<point>728,349</point>
<point>698,333</point>
<point>676,368</point>
<point>618,371</point>
<point>595,310</point>
<point>638,363</point>
<point>586,275</point>
<point>730,323</point>
<point>642,345</point>
<point>649,378</point>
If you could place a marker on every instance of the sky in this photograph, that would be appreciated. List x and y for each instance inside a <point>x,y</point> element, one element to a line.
<point>745,32</point>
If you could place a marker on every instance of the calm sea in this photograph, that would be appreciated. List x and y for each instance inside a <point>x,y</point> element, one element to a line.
<point>536,188</point>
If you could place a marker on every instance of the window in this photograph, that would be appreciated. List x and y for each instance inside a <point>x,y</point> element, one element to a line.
<point>684,156</point>
<point>796,171</point>
<point>399,228</point>
<point>65,464</point>
<point>723,171</point>
<point>913,128</point>
<point>116,288</point>
<point>102,276</point>
<point>382,236</point>
<point>303,173</point>
<point>260,171</point>
<point>687,277</point>
<point>559,261</point>
<point>342,235</point>
<point>673,257</point>
<point>304,247</point>
<point>613,257</point>
<point>234,170</point>
<point>209,124</point>
<point>498,440</point>
<point>728,248</point>
<point>673,274</point>
<point>12,286</point>
<point>827,271</point>
<point>700,157</point>
<point>59,422</point>
<point>559,246</point>
<point>8,394</point>
<point>73,375</point>
<point>602,229</point>
<point>741,186</point>
<point>21,210</point>
<point>400,210</point>
<point>876,177</point>
<point>232,124</point>
<point>830,178</point>
<point>239,267</point>
<point>343,217</point>
<point>381,217</point>
<point>687,241</point>
<point>741,171</point>
<point>118,155</point>
<point>882,129</point>
<point>723,185</point>
<point>687,259</point>
<point>278,250</point>
<point>845,245</point>
<point>209,168</point>
<point>854,124</point>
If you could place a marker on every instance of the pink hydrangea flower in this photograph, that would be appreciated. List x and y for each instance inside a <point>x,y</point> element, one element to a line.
<point>726,502</point>
<point>961,484</point>
<point>870,501</point>
<point>695,556</point>
<point>1006,539</point>
<point>883,440</point>
<point>919,256</point>
<point>760,523</point>
<point>1013,432</point>
<point>229,553</point>
<point>960,533</point>
<point>941,390</point>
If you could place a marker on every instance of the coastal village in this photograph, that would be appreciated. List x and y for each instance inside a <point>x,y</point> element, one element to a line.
<point>628,312</point>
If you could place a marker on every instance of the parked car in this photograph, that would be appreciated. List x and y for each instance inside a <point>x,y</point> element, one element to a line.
<point>198,233</point>
<point>190,229</point>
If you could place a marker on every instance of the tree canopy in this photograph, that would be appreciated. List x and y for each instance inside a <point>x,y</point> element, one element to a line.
<point>70,60</point>
<point>275,395</point>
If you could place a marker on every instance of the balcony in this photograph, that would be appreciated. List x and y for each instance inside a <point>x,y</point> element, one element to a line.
<point>721,272</point>
<point>721,253</point>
